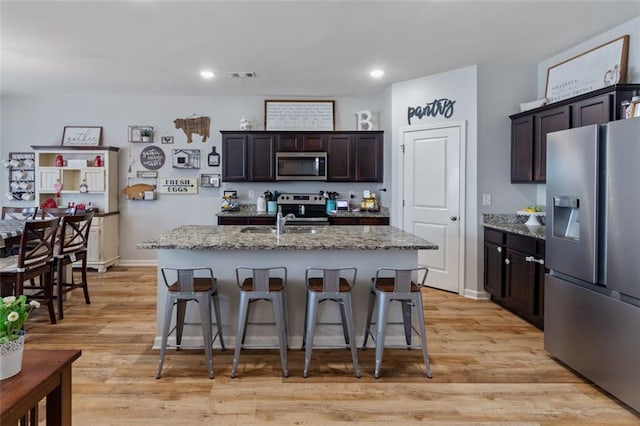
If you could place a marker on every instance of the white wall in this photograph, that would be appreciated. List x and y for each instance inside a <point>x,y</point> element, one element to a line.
<point>495,104</point>
<point>459,85</point>
<point>39,120</point>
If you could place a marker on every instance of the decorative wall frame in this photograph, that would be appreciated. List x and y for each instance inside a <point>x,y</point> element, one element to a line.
<point>137,134</point>
<point>186,158</point>
<point>299,115</point>
<point>166,139</point>
<point>194,125</point>
<point>81,136</point>
<point>152,157</point>
<point>602,66</point>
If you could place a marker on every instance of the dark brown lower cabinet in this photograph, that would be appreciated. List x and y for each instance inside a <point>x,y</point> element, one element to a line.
<point>252,220</point>
<point>359,221</point>
<point>244,220</point>
<point>514,273</point>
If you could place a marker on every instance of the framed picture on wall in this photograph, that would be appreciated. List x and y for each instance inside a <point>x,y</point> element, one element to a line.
<point>81,136</point>
<point>602,66</point>
<point>299,115</point>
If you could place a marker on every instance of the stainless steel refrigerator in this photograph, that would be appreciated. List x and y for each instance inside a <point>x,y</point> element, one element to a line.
<point>592,293</point>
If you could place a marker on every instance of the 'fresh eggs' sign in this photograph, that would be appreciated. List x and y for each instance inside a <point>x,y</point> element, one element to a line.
<point>178,185</point>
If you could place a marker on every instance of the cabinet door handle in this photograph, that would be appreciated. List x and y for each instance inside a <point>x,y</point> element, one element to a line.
<point>499,249</point>
<point>507,261</point>
<point>533,259</point>
<point>453,218</point>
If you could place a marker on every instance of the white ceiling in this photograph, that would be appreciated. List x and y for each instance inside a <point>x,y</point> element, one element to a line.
<point>301,48</point>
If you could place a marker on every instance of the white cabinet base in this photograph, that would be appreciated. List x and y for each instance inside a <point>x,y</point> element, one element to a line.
<point>102,249</point>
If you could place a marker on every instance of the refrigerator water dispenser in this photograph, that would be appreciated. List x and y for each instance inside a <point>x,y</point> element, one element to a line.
<point>566,217</point>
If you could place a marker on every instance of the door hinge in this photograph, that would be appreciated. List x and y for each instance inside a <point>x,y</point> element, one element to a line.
<point>402,147</point>
<point>402,203</point>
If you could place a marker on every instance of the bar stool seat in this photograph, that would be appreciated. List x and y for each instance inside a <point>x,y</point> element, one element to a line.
<point>199,285</point>
<point>334,285</point>
<point>262,284</point>
<point>400,287</point>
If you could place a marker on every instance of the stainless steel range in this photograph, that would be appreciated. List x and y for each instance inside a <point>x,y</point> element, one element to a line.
<point>307,208</point>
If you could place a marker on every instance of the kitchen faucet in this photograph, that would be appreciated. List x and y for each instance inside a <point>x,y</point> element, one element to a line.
<point>281,220</point>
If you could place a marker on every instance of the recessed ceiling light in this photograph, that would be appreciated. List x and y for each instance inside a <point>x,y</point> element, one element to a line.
<point>377,73</point>
<point>206,74</point>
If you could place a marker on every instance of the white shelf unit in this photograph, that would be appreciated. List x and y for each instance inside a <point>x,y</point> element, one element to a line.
<point>102,193</point>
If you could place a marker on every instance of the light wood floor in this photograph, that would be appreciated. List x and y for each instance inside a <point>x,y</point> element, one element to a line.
<point>488,365</point>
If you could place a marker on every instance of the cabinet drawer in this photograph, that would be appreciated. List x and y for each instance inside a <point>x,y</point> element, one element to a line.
<point>494,236</point>
<point>232,220</point>
<point>261,221</point>
<point>522,244</point>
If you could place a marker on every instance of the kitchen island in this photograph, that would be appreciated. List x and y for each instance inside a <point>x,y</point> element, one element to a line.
<point>225,247</point>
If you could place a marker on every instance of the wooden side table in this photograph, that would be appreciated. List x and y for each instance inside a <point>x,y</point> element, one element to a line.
<point>45,373</point>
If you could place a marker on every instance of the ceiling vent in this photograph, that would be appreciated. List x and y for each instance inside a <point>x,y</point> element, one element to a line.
<point>236,74</point>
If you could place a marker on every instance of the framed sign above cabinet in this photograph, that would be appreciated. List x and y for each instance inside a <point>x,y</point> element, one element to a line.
<point>81,136</point>
<point>602,66</point>
<point>299,115</point>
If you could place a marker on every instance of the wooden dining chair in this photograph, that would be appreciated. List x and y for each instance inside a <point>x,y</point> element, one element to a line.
<point>71,247</point>
<point>20,213</point>
<point>34,260</point>
<point>49,212</point>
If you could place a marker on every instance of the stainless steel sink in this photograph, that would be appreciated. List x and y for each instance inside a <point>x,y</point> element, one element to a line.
<point>291,229</point>
<point>287,230</point>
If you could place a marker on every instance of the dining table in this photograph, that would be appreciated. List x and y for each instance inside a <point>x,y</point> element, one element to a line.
<point>10,232</point>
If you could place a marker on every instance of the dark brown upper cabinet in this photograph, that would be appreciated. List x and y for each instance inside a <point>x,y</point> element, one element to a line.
<point>248,157</point>
<point>307,142</point>
<point>351,156</point>
<point>356,157</point>
<point>529,129</point>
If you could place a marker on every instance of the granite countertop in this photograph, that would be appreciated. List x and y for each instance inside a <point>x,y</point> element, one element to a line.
<point>383,212</point>
<point>513,223</point>
<point>207,237</point>
<point>248,210</point>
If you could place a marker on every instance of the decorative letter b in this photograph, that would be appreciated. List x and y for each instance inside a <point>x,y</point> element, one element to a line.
<point>363,120</point>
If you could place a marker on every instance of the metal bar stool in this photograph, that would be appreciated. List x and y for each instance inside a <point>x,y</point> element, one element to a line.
<point>262,284</point>
<point>334,285</point>
<point>401,287</point>
<point>196,284</point>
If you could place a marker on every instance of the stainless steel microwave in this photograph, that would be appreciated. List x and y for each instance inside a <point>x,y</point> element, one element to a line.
<point>301,166</point>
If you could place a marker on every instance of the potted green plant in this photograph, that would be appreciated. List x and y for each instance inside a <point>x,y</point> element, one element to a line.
<point>14,311</point>
<point>146,135</point>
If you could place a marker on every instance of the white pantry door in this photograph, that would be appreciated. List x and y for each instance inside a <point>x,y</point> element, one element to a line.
<point>433,196</point>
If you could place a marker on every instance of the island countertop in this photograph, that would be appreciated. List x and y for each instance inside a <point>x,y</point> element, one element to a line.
<point>207,237</point>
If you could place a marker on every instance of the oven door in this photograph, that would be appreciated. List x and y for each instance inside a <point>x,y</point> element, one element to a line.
<point>301,166</point>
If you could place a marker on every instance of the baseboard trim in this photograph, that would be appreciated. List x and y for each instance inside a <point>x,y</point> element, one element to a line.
<point>138,262</point>
<point>476,295</point>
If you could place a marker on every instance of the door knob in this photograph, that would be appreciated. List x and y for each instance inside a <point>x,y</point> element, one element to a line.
<point>453,218</point>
